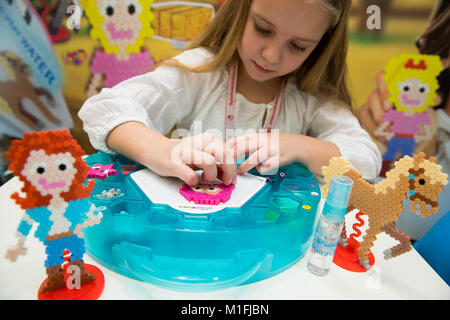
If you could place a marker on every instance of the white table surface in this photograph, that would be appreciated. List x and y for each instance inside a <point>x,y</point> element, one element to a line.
<point>405,277</point>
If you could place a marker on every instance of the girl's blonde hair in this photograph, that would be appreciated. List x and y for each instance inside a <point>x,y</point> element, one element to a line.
<point>323,74</point>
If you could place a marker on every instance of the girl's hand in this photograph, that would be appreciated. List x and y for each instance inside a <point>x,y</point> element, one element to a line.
<point>268,151</point>
<point>175,157</point>
<point>371,113</point>
<point>204,152</point>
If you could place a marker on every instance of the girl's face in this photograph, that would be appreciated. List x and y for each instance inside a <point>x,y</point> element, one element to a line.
<point>280,35</point>
<point>50,174</point>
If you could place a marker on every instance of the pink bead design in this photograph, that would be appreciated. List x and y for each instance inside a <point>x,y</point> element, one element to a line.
<point>404,124</point>
<point>212,194</point>
<point>101,172</point>
<point>116,71</point>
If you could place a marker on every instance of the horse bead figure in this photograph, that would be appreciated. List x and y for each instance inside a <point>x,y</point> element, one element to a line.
<point>419,178</point>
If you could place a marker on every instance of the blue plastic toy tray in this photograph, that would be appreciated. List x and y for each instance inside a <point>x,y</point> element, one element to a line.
<point>200,252</point>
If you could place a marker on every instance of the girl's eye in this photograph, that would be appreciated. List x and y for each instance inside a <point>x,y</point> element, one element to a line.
<point>131,9</point>
<point>297,47</point>
<point>262,31</point>
<point>40,170</point>
<point>62,167</point>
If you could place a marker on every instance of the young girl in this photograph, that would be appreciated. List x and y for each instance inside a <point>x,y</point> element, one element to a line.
<point>277,65</point>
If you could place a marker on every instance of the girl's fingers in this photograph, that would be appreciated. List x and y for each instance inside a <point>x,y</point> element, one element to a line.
<point>202,160</point>
<point>243,145</point>
<point>269,167</point>
<point>383,90</point>
<point>228,173</point>
<point>186,174</point>
<point>365,118</point>
<point>253,160</point>
<point>207,153</point>
<point>376,108</point>
<point>225,160</point>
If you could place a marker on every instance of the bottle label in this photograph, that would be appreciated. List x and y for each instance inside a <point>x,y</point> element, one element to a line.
<point>324,245</point>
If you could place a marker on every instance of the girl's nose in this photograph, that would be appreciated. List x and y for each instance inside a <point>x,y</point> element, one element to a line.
<point>272,53</point>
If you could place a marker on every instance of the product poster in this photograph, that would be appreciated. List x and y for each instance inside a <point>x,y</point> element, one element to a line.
<point>30,76</point>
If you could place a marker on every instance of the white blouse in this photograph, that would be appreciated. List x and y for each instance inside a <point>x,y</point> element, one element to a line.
<point>169,97</point>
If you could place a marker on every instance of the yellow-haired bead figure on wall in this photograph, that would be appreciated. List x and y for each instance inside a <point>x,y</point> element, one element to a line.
<point>412,83</point>
<point>121,26</point>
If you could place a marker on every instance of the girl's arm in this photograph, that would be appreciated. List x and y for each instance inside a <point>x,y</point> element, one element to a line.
<point>312,152</point>
<point>175,157</point>
<point>147,147</point>
<point>337,125</point>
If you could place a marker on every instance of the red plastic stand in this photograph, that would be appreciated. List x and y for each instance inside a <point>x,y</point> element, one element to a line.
<point>90,291</point>
<point>347,257</point>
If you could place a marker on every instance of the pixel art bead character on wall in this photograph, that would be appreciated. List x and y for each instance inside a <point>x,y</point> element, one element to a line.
<point>207,193</point>
<point>121,26</point>
<point>56,198</point>
<point>412,83</point>
<point>418,178</point>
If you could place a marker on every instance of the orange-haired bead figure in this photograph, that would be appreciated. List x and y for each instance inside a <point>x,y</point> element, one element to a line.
<point>53,173</point>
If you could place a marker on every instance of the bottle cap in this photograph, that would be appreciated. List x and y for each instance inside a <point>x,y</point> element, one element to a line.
<point>337,199</point>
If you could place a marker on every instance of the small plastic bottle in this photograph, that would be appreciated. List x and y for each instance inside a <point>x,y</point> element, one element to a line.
<point>330,225</point>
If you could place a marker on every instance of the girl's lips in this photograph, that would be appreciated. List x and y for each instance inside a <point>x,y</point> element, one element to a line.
<point>261,69</point>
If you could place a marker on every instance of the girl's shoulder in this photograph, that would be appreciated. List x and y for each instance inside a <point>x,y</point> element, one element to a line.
<point>194,57</point>
<point>308,100</point>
